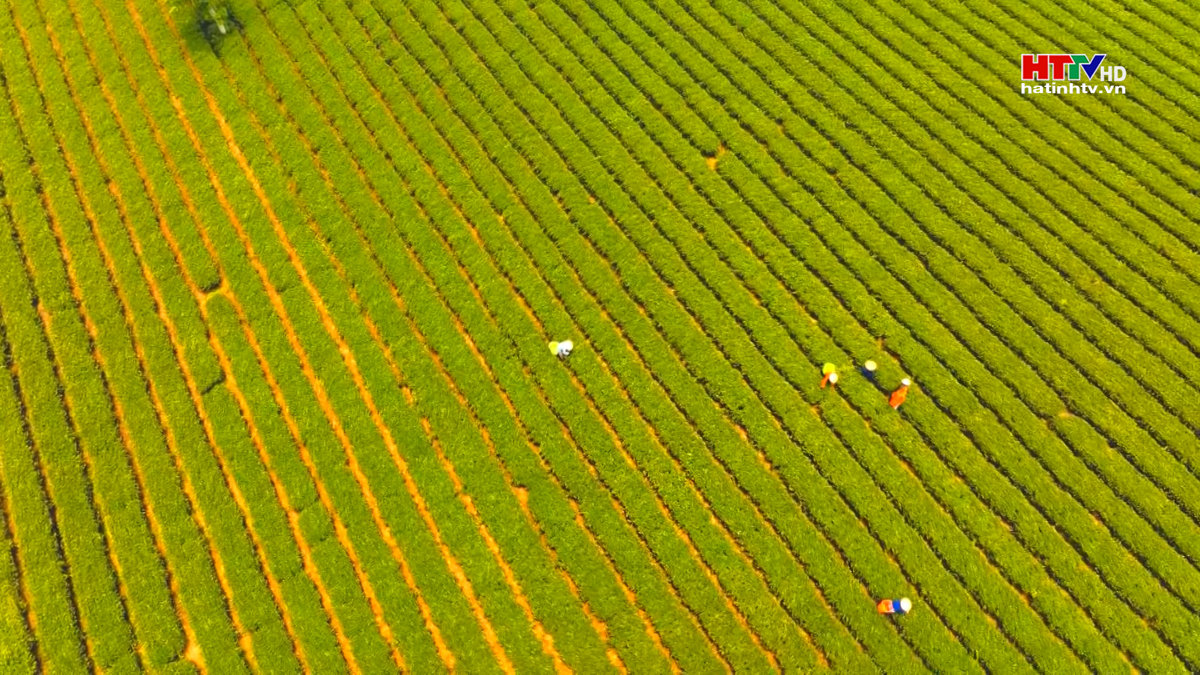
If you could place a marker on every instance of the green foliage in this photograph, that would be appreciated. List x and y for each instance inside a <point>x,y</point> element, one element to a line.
<point>215,20</point>
<point>274,339</point>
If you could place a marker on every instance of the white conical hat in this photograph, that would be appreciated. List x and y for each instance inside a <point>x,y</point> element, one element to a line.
<point>905,604</point>
<point>563,348</point>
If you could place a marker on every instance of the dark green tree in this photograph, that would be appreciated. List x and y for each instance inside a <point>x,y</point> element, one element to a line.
<point>214,19</point>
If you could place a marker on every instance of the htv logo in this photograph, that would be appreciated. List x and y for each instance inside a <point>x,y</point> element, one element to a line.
<point>1049,67</point>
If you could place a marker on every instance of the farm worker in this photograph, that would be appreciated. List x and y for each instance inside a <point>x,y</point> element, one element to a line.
<point>561,348</point>
<point>830,372</point>
<point>868,370</point>
<point>900,394</point>
<point>901,606</point>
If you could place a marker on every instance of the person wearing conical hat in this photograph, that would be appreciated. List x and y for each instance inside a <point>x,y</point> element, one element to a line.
<point>831,376</point>
<point>868,370</point>
<point>561,348</point>
<point>901,606</point>
<point>900,394</point>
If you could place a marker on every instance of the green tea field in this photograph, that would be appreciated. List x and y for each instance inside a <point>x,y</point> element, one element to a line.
<point>275,308</point>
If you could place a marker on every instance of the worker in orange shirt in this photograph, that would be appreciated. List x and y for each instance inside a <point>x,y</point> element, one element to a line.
<point>900,394</point>
<point>901,606</point>
<point>831,376</point>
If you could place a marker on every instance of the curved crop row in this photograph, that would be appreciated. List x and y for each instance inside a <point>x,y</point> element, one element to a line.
<point>275,313</point>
